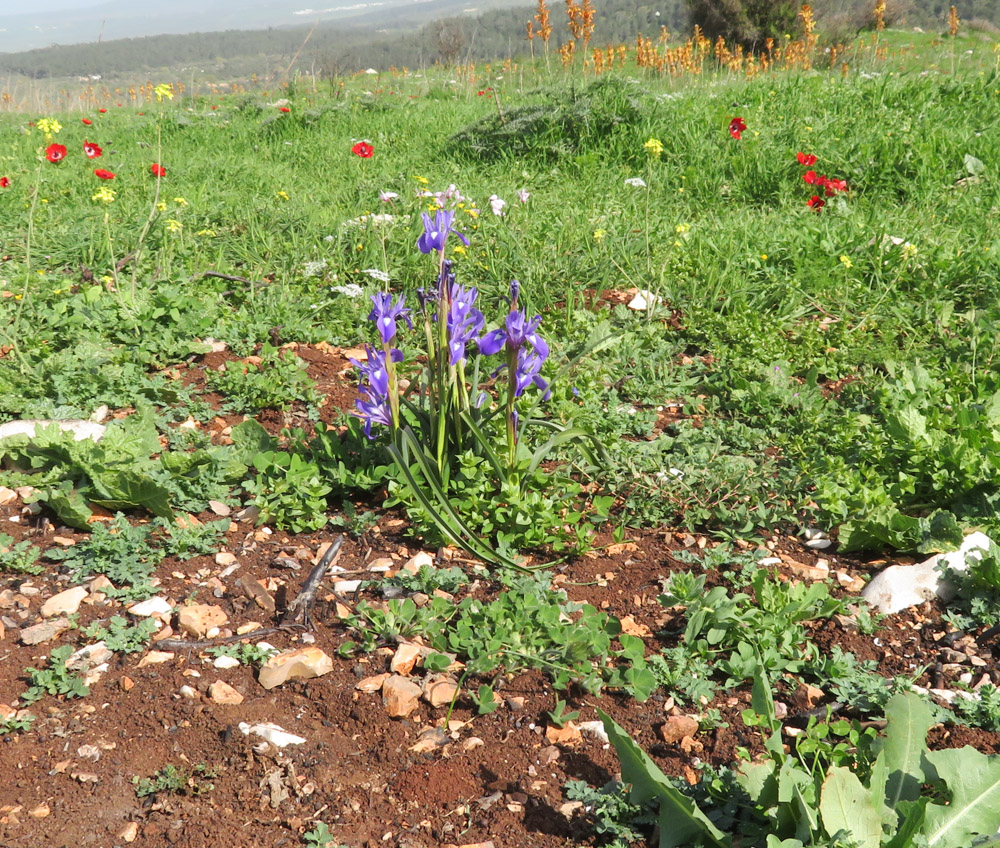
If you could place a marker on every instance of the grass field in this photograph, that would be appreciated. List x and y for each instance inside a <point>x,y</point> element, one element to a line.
<point>817,253</point>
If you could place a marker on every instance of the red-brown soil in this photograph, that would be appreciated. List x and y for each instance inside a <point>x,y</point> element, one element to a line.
<point>68,781</point>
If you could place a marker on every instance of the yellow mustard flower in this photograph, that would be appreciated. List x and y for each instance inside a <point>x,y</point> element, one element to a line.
<point>599,235</point>
<point>49,126</point>
<point>105,194</point>
<point>421,180</point>
<point>173,225</point>
<point>654,147</point>
<point>161,206</point>
<point>283,195</point>
<point>845,260</point>
<point>680,229</point>
<point>180,201</point>
<point>163,90</point>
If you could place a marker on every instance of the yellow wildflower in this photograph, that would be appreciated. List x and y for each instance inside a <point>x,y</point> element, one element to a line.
<point>161,206</point>
<point>163,90</point>
<point>599,235</point>
<point>173,225</point>
<point>459,249</point>
<point>49,126</point>
<point>283,195</point>
<point>105,194</point>
<point>180,201</point>
<point>845,260</point>
<point>680,229</point>
<point>206,233</point>
<point>654,147</point>
<point>421,180</point>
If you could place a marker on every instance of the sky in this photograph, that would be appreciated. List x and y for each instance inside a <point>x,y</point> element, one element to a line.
<point>16,7</point>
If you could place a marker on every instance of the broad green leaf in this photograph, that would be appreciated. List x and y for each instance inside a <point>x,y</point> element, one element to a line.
<point>67,503</point>
<point>846,807</point>
<point>876,791</point>
<point>908,423</point>
<point>249,439</point>
<point>973,780</point>
<point>760,783</point>
<point>909,718</point>
<point>118,490</point>
<point>134,437</point>
<point>793,780</point>
<point>681,822</point>
<point>762,698</point>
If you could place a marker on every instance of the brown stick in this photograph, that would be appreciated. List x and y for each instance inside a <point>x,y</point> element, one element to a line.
<point>297,616</point>
<point>299,612</point>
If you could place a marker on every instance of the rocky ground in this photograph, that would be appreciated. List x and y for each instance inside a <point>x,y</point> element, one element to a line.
<point>367,744</point>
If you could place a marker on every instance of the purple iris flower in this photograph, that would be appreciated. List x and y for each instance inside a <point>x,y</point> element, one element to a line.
<point>374,412</point>
<point>374,382</point>
<point>517,332</point>
<point>435,232</point>
<point>526,372</point>
<point>464,321</point>
<point>385,313</point>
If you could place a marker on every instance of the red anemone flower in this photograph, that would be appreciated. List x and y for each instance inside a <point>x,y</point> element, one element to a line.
<point>284,109</point>
<point>806,160</point>
<point>102,111</point>
<point>104,175</point>
<point>86,121</point>
<point>363,149</point>
<point>92,150</point>
<point>4,182</point>
<point>736,128</point>
<point>816,202</point>
<point>812,178</point>
<point>158,170</point>
<point>833,186</point>
<point>55,152</point>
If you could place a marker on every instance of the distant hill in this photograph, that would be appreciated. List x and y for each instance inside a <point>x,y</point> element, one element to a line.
<point>120,19</point>
<point>375,33</point>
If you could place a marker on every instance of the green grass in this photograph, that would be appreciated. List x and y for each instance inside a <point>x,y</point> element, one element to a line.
<point>774,302</point>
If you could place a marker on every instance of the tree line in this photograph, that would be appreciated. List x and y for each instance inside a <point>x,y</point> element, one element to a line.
<point>334,49</point>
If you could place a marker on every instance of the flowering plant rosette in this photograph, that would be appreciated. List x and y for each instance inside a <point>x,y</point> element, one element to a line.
<point>462,401</point>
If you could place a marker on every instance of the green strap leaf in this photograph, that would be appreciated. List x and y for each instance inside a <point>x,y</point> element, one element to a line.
<point>440,509</point>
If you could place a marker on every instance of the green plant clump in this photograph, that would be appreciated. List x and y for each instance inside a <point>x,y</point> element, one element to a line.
<point>19,557</point>
<point>55,679</point>
<point>870,792</point>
